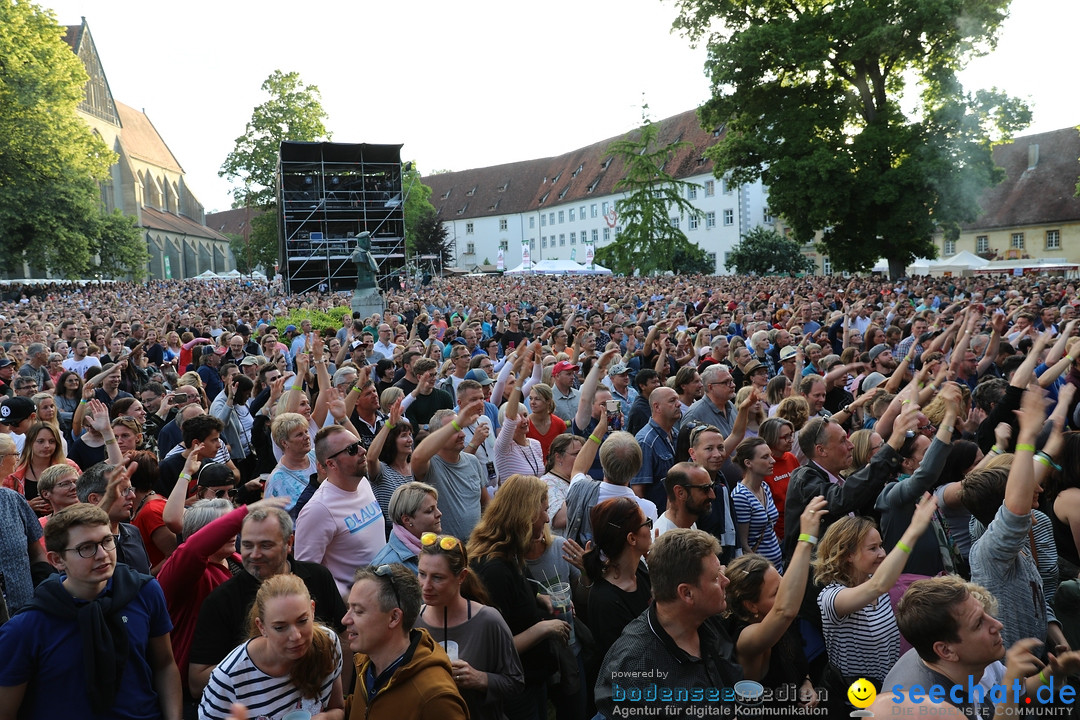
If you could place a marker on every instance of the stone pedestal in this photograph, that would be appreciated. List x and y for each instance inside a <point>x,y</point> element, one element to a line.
<point>367,302</point>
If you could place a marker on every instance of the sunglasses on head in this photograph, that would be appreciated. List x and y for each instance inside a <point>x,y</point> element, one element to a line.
<point>445,542</point>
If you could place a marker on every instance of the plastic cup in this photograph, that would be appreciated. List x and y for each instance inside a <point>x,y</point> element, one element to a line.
<point>298,715</point>
<point>561,603</point>
<point>451,649</point>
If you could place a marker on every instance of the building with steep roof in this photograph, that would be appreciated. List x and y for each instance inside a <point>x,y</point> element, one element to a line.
<point>561,205</point>
<point>147,181</point>
<point>1034,212</point>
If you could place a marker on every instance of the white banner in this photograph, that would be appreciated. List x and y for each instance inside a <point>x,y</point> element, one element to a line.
<point>526,256</point>
<point>500,261</point>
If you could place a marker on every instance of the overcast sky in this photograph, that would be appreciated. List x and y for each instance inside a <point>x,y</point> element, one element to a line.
<point>465,84</point>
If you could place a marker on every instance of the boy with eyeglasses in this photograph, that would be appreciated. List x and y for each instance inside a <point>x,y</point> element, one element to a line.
<point>99,629</point>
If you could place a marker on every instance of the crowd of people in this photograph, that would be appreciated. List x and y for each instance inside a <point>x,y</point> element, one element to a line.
<point>534,496</point>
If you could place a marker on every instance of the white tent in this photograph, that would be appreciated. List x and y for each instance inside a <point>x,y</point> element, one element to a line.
<point>233,274</point>
<point>550,267</point>
<point>597,270</point>
<point>207,275</point>
<point>962,263</point>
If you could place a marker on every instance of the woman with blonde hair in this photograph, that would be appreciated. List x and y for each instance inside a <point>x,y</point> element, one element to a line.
<point>865,444</point>
<point>544,424</point>
<point>47,413</point>
<point>796,411</point>
<point>776,391</point>
<point>291,476</point>
<point>756,415</point>
<point>856,575</point>
<point>498,546</point>
<point>290,663</point>
<point>42,449</point>
<point>57,486</point>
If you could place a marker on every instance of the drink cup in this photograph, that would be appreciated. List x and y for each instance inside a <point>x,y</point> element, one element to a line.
<point>560,601</point>
<point>451,649</point>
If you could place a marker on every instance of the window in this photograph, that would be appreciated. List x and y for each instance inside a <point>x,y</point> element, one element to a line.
<point>562,239</point>
<point>551,218</point>
<point>729,218</point>
<point>710,188</point>
<point>949,249</point>
<point>1018,241</point>
<point>982,244</point>
<point>674,220</point>
<point>532,221</point>
<point>571,214</point>
<point>573,238</point>
<point>605,207</point>
<point>468,228</point>
<point>595,236</point>
<point>1053,239</point>
<point>504,245</point>
<point>502,223</point>
<point>581,212</point>
<point>727,186</point>
<point>692,221</point>
<point>592,210</point>
<point>543,241</point>
<point>691,192</point>
<point>607,234</point>
<point>710,220</point>
<point>470,248</point>
<point>766,217</point>
<point>562,217</point>
<point>826,266</point>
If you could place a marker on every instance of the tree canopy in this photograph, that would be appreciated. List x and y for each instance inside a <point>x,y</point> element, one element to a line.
<point>852,115</point>
<point>764,251</point>
<point>51,163</point>
<point>648,240</point>
<point>417,205</point>
<point>293,111</point>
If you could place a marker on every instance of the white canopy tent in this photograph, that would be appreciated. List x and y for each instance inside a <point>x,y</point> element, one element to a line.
<point>207,275</point>
<point>597,269</point>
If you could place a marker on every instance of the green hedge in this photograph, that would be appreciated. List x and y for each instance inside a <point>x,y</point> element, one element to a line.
<point>320,321</point>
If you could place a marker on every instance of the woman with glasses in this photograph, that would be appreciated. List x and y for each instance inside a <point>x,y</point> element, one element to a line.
<point>498,546</point>
<point>68,394</point>
<point>57,487</point>
<point>42,449</point>
<point>620,587</point>
<point>388,460</point>
<point>414,508</point>
<point>486,666</point>
<point>755,511</point>
<point>762,607</point>
<point>778,434</point>
<point>291,663</point>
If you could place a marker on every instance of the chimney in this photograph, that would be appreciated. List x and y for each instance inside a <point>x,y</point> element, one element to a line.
<point>1033,155</point>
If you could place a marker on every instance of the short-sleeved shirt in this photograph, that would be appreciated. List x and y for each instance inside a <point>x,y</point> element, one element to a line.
<point>762,521</point>
<point>38,648</point>
<point>18,528</point>
<point>657,457</point>
<point>459,485</point>
<point>284,482</point>
<point>865,643</point>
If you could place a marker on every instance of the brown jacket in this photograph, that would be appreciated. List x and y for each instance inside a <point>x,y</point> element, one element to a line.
<point>421,689</point>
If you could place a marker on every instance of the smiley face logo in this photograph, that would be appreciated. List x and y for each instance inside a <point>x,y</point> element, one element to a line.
<point>862,693</point>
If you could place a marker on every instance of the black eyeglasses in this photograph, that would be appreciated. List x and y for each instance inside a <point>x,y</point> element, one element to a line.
<point>89,549</point>
<point>386,571</point>
<point>352,449</point>
<point>704,488</point>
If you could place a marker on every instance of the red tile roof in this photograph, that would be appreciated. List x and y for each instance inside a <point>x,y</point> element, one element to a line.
<point>1045,193</point>
<point>232,222</point>
<point>157,220</point>
<point>563,180</point>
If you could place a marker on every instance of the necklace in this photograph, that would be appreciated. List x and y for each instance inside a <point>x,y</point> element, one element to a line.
<point>529,459</point>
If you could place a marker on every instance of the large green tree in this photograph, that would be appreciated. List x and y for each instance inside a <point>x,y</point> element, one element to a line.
<point>50,161</point>
<point>763,251</point>
<point>432,238</point>
<point>648,240</point>
<point>852,115</point>
<point>293,111</point>
<point>417,205</point>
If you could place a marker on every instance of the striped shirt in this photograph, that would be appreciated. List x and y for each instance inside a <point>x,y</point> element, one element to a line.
<point>762,519</point>
<point>865,643</point>
<point>237,680</point>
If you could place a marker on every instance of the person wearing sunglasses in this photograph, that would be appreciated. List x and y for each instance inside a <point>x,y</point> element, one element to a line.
<point>401,672</point>
<point>341,526</point>
<point>485,664</point>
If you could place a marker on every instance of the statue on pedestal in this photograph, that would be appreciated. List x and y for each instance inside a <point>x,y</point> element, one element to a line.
<point>366,299</point>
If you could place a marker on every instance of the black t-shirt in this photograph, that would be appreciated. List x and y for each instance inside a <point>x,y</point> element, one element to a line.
<point>223,617</point>
<point>168,472</point>
<point>611,608</point>
<point>512,596</point>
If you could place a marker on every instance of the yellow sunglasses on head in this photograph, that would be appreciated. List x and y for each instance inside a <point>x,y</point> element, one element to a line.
<point>446,542</point>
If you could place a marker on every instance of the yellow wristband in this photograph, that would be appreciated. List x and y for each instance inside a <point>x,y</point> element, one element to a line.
<point>389,426</point>
<point>808,539</point>
<point>1042,676</point>
<point>1025,447</point>
<point>454,424</point>
<point>903,547</point>
<point>594,439</point>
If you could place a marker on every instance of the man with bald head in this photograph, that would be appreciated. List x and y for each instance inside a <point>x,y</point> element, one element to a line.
<point>657,440</point>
